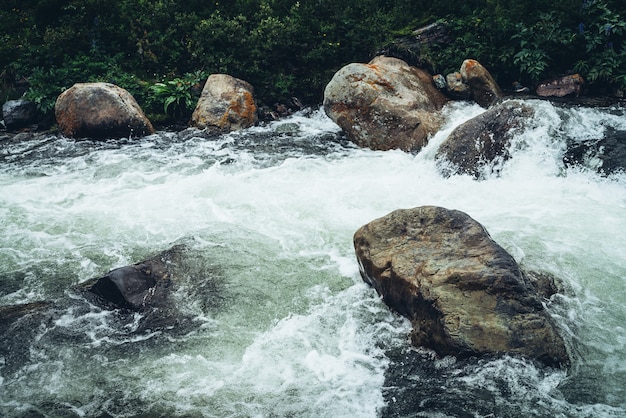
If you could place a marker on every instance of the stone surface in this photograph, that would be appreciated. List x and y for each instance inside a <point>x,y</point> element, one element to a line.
<point>226,104</point>
<point>480,146</point>
<point>456,87</point>
<point>100,110</point>
<point>463,293</point>
<point>561,87</point>
<point>143,285</point>
<point>385,104</point>
<point>484,89</point>
<point>19,114</point>
<point>606,155</point>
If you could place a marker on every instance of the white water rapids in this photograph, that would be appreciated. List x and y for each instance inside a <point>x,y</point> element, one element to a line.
<point>281,323</point>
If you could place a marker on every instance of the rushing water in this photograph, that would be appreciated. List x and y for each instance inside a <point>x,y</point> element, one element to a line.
<point>275,319</point>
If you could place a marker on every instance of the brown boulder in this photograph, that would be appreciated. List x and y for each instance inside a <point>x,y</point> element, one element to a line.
<point>484,89</point>
<point>226,104</point>
<point>561,87</point>
<point>385,104</point>
<point>100,110</point>
<point>481,145</point>
<point>463,293</point>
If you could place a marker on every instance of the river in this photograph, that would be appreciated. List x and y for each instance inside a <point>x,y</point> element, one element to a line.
<point>277,321</point>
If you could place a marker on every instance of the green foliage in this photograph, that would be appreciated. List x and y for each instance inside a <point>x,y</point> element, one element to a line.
<point>288,48</point>
<point>602,33</point>
<point>541,44</point>
<point>177,95</point>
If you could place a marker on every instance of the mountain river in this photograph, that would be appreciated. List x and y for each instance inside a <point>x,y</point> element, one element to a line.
<point>274,319</point>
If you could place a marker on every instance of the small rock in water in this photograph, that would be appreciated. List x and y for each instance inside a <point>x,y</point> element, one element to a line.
<point>287,128</point>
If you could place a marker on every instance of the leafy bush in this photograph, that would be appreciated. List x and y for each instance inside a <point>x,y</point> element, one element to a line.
<point>177,95</point>
<point>288,48</point>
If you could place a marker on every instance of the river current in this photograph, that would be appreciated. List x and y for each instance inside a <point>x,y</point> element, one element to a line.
<point>276,321</point>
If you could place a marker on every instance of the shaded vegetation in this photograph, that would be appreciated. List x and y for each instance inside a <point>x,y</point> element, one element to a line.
<point>160,50</point>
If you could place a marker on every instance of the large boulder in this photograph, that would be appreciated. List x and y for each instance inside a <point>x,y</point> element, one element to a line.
<point>226,104</point>
<point>463,293</point>
<point>481,145</point>
<point>100,110</point>
<point>484,89</point>
<point>19,114</point>
<point>385,104</point>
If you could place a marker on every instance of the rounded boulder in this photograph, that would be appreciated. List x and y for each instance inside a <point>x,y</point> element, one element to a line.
<point>100,110</point>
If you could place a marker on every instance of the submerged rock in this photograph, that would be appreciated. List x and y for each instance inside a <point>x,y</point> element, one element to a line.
<point>100,110</point>
<point>481,145</point>
<point>226,104</point>
<point>607,155</point>
<point>463,293</point>
<point>385,104</point>
<point>146,284</point>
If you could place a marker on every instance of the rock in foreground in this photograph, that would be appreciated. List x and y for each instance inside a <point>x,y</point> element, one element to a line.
<point>385,104</point>
<point>464,294</point>
<point>100,110</point>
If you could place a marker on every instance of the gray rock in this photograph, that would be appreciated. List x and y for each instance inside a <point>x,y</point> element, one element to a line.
<point>143,285</point>
<point>456,87</point>
<point>19,114</point>
<point>481,145</point>
<point>463,293</point>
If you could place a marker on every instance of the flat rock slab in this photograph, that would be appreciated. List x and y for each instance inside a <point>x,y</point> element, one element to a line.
<point>464,294</point>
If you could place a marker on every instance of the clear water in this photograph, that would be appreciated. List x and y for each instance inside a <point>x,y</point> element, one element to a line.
<point>275,320</point>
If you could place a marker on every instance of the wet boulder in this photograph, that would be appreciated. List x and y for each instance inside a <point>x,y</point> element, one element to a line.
<point>481,145</point>
<point>607,154</point>
<point>484,89</point>
<point>141,286</point>
<point>385,104</point>
<point>226,104</point>
<point>100,110</point>
<point>464,294</point>
<point>561,87</point>
<point>19,114</point>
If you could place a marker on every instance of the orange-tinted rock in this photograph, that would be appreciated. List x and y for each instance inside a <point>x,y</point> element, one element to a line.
<point>226,103</point>
<point>100,110</point>
<point>484,89</point>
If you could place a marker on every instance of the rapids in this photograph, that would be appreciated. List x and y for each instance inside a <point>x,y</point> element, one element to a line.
<point>279,322</point>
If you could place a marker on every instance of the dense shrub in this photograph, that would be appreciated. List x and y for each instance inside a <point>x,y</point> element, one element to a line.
<point>288,48</point>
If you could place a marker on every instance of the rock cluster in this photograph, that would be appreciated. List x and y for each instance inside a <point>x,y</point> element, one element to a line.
<point>464,294</point>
